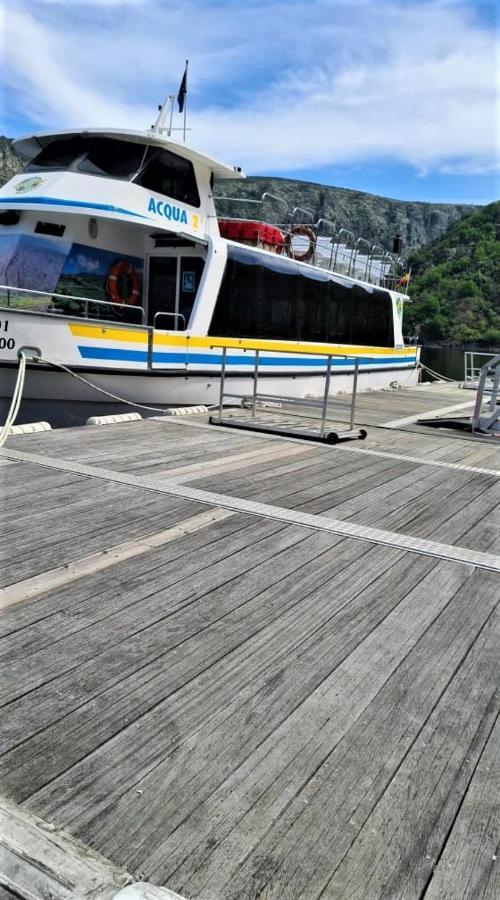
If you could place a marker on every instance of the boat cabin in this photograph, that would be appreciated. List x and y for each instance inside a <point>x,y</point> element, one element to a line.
<point>122,225</point>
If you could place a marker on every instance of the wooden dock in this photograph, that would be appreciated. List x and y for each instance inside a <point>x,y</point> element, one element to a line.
<point>241,666</point>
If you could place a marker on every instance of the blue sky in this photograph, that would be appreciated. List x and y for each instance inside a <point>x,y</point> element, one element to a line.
<point>395,97</point>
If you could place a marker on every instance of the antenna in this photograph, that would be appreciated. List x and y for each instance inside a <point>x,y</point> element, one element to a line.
<point>159,125</point>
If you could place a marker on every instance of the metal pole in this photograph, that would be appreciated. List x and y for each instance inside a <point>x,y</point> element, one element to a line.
<point>325,396</point>
<point>354,390</point>
<point>171,98</point>
<point>185,101</point>
<point>222,380</point>
<point>255,377</point>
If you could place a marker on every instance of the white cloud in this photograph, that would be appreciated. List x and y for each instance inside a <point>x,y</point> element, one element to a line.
<point>273,86</point>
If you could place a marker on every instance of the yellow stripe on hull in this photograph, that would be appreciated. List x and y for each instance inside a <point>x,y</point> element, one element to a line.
<point>107,333</point>
<point>129,335</point>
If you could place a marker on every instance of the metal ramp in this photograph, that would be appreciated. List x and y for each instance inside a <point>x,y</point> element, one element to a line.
<point>273,417</point>
<point>488,385</point>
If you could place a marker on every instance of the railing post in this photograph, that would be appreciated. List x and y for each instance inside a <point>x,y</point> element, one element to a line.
<point>325,396</point>
<point>479,399</point>
<point>354,391</point>
<point>494,389</point>
<point>222,380</point>
<point>255,378</point>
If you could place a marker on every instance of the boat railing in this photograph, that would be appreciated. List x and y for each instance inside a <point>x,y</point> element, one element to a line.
<point>339,250</point>
<point>29,299</point>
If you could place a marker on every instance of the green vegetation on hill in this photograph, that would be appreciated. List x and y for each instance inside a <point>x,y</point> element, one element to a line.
<point>455,284</point>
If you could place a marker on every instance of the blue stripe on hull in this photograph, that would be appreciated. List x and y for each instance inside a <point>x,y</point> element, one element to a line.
<point>122,355</point>
<point>84,204</point>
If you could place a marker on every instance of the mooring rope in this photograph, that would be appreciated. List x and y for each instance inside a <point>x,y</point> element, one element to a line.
<point>100,389</point>
<point>437,374</point>
<point>16,400</point>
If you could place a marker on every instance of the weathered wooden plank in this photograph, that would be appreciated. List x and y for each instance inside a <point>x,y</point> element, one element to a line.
<point>229,560</point>
<point>232,615</point>
<point>308,841</point>
<point>468,868</point>
<point>89,565</point>
<point>222,829</point>
<point>400,843</point>
<point>216,751</point>
<point>36,860</point>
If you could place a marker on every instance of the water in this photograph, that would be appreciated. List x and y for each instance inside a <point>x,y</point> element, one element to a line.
<point>449,361</point>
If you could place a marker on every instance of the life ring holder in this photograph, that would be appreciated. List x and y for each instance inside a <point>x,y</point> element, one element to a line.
<point>302,231</point>
<point>116,272</point>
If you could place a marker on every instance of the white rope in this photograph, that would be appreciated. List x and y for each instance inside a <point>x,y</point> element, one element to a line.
<point>100,389</point>
<point>437,374</point>
<point>107,393</point>
<point>16,400</point>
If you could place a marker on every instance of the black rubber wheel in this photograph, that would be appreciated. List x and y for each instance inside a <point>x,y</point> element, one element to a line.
<point>332,438</point>
<point>362,434</point>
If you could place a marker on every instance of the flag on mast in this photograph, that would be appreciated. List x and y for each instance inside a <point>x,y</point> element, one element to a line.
<point>181,96</point>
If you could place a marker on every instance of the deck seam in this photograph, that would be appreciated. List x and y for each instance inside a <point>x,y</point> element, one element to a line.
<point>347,529</point>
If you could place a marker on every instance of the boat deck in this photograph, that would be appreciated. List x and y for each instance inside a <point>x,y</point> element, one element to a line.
<point>245,666</point>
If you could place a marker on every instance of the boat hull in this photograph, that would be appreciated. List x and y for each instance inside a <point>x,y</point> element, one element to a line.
<point>182,389</point>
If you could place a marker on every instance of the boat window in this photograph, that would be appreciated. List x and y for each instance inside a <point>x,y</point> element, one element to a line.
<point>262,297</point>
<point>59,154</point>
<point>171,175</point>
<point>118,159</point>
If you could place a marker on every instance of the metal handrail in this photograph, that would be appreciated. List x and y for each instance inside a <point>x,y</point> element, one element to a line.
<point>376,252</point>
<point>175,316</point>
<point>332,229</point>
<point>354,257</point>
<point>472,371</point>
<point>86,300</point>
<point>485,426</point>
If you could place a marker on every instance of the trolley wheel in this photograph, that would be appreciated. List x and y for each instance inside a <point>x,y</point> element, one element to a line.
<point>362,434</point>
<point>332,438</point>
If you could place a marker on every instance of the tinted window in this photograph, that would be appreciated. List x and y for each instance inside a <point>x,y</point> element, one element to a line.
<point>171,175</point>
<point>95,156</point>
<point>118,159</point>
<point>273,298</point>
<point>59,154</point>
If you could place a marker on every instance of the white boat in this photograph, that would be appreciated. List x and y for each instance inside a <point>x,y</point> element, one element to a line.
<point>115,265</point>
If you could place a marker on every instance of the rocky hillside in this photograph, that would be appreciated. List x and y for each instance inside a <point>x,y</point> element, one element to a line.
<point>455,285</point>
<point>377,219</point>
<point>9,163</point>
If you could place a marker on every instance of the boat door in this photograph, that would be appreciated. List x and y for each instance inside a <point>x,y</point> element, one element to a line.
<point>173,280</point>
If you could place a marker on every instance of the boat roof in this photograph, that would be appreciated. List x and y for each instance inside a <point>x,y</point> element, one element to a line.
<point>29,145</point>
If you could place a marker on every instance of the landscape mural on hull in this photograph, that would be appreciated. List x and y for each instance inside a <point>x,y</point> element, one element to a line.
<point>56,266</point>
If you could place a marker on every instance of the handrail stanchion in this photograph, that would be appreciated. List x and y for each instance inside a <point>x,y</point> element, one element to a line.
<point>255,380</point>
<point>222,380</point>
<point>325,396</point>
<point>354,390</point>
